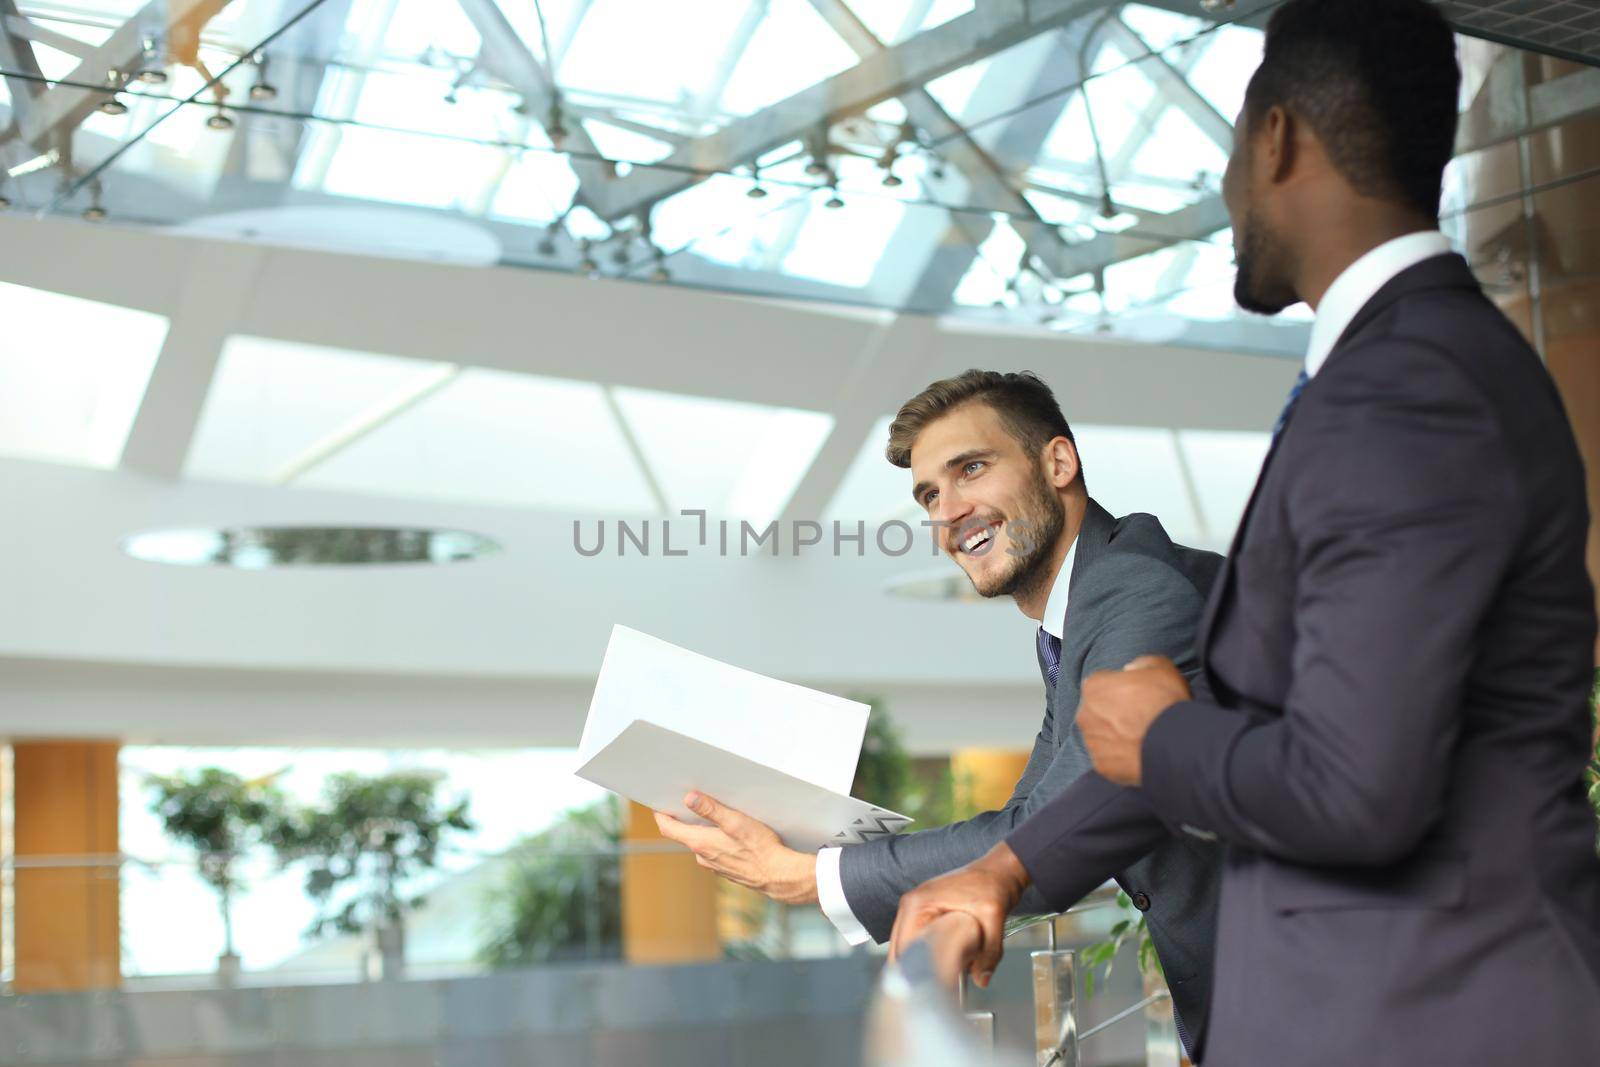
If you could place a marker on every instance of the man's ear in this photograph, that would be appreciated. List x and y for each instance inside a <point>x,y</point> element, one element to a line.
<point>1275,148</point>
<point>1060,462</point>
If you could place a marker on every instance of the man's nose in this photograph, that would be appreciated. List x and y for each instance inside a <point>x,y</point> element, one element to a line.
<point>951,508</point>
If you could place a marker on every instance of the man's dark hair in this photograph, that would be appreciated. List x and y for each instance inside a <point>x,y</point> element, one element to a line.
<point>1377,80</point>
<point>1026,407</point>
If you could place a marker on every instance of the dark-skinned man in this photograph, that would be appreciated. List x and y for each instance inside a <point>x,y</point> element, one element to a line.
<point>1398,655</point>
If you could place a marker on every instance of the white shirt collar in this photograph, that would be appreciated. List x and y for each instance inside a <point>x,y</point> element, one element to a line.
<point>1360,282</point>
<point>1055,608</point>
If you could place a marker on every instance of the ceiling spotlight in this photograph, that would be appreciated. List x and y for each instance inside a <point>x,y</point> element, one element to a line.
<point>220,121</point>
<point>262,90</point>
<point>94,213</point>
<point>816,167</point>
<point>587,266</point>
<point>661,273</point>
<point>833,201</point>
<point>892,180</point>
<point>113,106</point>
<point>546,247</point>
<point>150,64</point>
<point>555,126</point>
<point>1111,219</point>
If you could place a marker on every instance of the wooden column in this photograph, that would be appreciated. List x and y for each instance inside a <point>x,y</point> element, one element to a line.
<point>986,777</point>
<point>64,799</point>
<point>669,902</point>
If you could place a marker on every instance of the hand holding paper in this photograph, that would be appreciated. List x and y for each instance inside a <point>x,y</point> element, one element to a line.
<point>666,722</point>
<point>744,851</point>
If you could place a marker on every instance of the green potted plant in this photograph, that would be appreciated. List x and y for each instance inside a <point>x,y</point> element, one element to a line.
<point>370,835</point>
<point>220,815</point>
<point>561,896</point>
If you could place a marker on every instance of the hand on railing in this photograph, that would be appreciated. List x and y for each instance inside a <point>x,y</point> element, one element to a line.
<point>985,889</point>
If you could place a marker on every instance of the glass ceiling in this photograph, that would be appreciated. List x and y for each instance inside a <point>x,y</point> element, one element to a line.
<point>909,154</point>
<point>286,414</point>
<point>72,375</point>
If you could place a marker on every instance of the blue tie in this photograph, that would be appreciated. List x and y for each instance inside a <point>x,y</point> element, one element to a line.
<point>1050,650</point>
<point>1294,394</point>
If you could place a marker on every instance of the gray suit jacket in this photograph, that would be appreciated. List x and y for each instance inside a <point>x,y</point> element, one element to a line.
<point>1132,592</point>
<point>1398,652</point>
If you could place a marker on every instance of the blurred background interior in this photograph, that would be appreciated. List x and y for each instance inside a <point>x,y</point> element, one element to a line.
<point>331,330</point>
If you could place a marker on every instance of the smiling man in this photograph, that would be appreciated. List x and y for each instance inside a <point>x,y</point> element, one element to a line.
<point>994,464</point>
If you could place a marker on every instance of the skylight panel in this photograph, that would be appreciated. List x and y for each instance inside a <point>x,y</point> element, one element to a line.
<point>649,51</point>
<point>1224,465</point>
<point>872,489</point>
<point>1069,139</point>
<point>274,403</point>
<point>987,281</point>
<point>493,437</point>
<point>1119,99</point>
<point>1160,29</point>
<point>616,143</point>
<point>423,26</point>
<point>423,100</point>
<point>954,91</point>
<point>1177,148</point>
<point>383,165</point>
<point>538,187</point>
<point>1223,73</point>
<point>558,15</point>
<point>793,49</point>
<point>735,460</point>
<point>72,375</point>
<point>887,18</point>
<point>717,207</point>
<point>943,11</point>
<point>844,245</point>
<point>1136,468</point>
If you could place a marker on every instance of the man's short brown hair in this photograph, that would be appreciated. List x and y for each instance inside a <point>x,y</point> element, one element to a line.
<point>1026,407</point>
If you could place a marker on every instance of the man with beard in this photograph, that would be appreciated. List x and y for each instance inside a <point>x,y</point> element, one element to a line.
<point>995,466</point>
<point>1397,660</point>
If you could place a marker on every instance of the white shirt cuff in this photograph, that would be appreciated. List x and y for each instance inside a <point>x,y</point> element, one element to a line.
<point>830,895</point>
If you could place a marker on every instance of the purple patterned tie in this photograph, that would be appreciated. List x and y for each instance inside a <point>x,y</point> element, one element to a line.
<point>1050,651</point>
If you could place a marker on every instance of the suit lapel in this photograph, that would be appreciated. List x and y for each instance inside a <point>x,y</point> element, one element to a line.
<point>1094,534</point>
<point>1449,271</point>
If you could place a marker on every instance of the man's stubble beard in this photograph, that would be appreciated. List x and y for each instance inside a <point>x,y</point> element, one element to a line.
<point>1045,517</point>
<point>1262,284</point>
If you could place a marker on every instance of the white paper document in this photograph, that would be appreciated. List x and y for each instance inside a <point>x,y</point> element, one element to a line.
<point>665,721</point>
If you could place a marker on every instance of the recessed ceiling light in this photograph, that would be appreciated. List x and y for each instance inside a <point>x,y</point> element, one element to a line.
<point>260,547</point>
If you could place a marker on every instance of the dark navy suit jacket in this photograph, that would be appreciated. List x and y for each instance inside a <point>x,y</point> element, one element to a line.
<point>1392,732</point>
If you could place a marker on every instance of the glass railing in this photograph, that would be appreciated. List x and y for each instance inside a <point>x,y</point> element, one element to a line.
<point>1042,1006</point>
<point>104,921</point>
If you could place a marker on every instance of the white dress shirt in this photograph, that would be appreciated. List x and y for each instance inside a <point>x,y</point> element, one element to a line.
<point>830,885</point>
<point>1360,282</point>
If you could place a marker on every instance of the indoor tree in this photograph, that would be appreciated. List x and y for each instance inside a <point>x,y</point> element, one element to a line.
<point>362,844</point>
<point>220,815</point>
<point>561,896</point>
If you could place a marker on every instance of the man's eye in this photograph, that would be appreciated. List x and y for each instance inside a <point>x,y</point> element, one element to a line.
<point>970,467</point>
<point>927,498</point>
